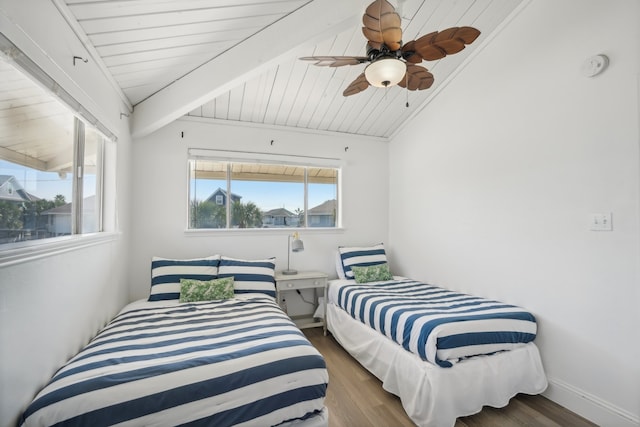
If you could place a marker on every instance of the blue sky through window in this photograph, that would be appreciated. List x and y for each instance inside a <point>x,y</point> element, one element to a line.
<point>45,185</point>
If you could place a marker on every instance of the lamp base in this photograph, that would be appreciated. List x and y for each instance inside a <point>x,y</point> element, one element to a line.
<point>289,272</point>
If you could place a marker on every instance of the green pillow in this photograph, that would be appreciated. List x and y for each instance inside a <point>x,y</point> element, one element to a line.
<point>373,273</point>
<point>192,290</point>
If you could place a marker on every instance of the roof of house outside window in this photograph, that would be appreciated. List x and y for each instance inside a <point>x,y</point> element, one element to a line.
<point>11,190</point>
<point>326,208</point>
<point>279,212</point>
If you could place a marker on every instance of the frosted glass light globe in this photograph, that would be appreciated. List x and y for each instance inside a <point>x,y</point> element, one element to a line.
<point>385,72</point>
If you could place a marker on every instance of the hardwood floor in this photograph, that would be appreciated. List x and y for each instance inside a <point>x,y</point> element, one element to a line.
<point>355,398</point>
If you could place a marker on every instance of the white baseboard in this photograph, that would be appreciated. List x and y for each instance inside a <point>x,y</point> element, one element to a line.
<point>589,406</point>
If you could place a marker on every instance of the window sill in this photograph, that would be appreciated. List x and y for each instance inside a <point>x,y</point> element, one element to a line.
<point>261,231</point>
<point>16,253</point>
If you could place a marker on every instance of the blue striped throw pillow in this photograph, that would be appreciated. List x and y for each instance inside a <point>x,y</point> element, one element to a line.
<point>166,274</point>
<point>250,276</point>
<point>361,257</point>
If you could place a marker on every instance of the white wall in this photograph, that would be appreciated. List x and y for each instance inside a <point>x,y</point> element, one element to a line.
<point>160,188</point>
<point>52,305</point>
<point>492,186</point>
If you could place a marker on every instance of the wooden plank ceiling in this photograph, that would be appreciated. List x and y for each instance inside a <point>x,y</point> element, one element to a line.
<point>152,47</point>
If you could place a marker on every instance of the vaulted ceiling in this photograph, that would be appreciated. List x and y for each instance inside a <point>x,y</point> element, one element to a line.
<point>237,60</point>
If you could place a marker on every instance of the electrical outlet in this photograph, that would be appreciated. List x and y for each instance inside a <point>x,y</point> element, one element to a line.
<point>601,222</point>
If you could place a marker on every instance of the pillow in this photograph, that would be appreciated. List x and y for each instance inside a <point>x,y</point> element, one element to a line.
<point>192,290</point>
<point>373,273</point>
<point>166,274</point>
<point>250,276</point>
<point>339,267</point>
<point>361,256</point>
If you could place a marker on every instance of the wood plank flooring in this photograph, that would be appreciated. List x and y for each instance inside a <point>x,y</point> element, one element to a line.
<point>355,398</point>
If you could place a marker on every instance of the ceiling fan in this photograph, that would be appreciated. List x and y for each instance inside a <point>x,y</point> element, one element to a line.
<point>392,61</point>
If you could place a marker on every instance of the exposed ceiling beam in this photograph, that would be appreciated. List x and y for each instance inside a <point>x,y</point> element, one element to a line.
<point>73,23</point>
<point>317,19</point>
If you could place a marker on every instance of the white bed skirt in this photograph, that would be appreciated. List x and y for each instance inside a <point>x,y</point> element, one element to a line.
<point>319,420</point>
<point>431,395</point>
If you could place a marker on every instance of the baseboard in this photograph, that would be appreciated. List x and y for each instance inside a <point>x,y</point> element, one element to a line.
<point>589,406</point>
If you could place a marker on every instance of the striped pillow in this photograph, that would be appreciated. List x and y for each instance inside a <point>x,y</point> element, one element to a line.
<point>361,257</point>
<point>250,276</point>
<point>166,274</point>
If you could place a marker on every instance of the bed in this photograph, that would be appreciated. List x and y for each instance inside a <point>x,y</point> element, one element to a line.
<point>444,353</point>
<point>212,362</point>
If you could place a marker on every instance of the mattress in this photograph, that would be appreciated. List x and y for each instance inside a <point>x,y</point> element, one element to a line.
<point>441,326</point>
<point>235,362</point>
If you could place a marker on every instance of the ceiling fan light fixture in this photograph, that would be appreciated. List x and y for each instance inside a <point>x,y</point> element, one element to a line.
<point>385,72</point>
<point>391,61</point>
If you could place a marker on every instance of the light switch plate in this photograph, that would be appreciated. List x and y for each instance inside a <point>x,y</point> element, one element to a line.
<point>601,222</point>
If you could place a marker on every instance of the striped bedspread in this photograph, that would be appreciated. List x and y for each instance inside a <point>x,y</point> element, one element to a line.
<point>216,363</point>
<point>439,325</point>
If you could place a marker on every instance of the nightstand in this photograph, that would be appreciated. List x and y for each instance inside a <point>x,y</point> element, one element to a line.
<point>296,282</point>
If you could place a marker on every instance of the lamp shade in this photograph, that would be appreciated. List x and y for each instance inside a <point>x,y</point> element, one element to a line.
<point>385,72</point>
<point>297,246</point>
<point>294,245</point>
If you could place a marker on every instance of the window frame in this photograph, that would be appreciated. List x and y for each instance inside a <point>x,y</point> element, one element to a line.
<point>230,157</point>
<point>17,252</point>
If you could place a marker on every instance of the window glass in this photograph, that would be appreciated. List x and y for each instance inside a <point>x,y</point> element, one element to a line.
<point>207,194</point>
<point>266,195</point>
<point>259,195</point>
<point>323,197</point>
<point>37,162</point>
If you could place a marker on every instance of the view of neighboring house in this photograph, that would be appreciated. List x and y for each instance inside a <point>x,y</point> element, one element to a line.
<point>280,217</point>
<point>12,191</point>
<point>323,215</point>
<point>16,223</point>
<point>219,197</point>
<point>20,220</point>
<point>59,218</point>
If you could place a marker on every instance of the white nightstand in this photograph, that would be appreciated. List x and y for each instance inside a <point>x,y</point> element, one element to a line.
<point>303,280</point>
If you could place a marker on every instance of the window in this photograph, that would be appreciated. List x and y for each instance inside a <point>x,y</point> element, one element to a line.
<point>50,163</point>
<point>237,194</point>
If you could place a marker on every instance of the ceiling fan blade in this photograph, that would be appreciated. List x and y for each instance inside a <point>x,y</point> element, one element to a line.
<point>335,61</point>
<point>437,45</point>
<point>382,24</point>
<point>356,86</point>
<point>468,34</point>
<point>390,24</point>
<point>374,37</point>
<point>409,53</point>
<point>417,78</point>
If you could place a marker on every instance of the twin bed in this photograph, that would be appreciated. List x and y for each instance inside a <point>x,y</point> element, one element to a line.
<point>445,354</point>
<point>239,360</point>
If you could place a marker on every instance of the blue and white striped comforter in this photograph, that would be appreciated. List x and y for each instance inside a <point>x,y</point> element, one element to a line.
<point>217,363</point>
<point>439,325</point>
